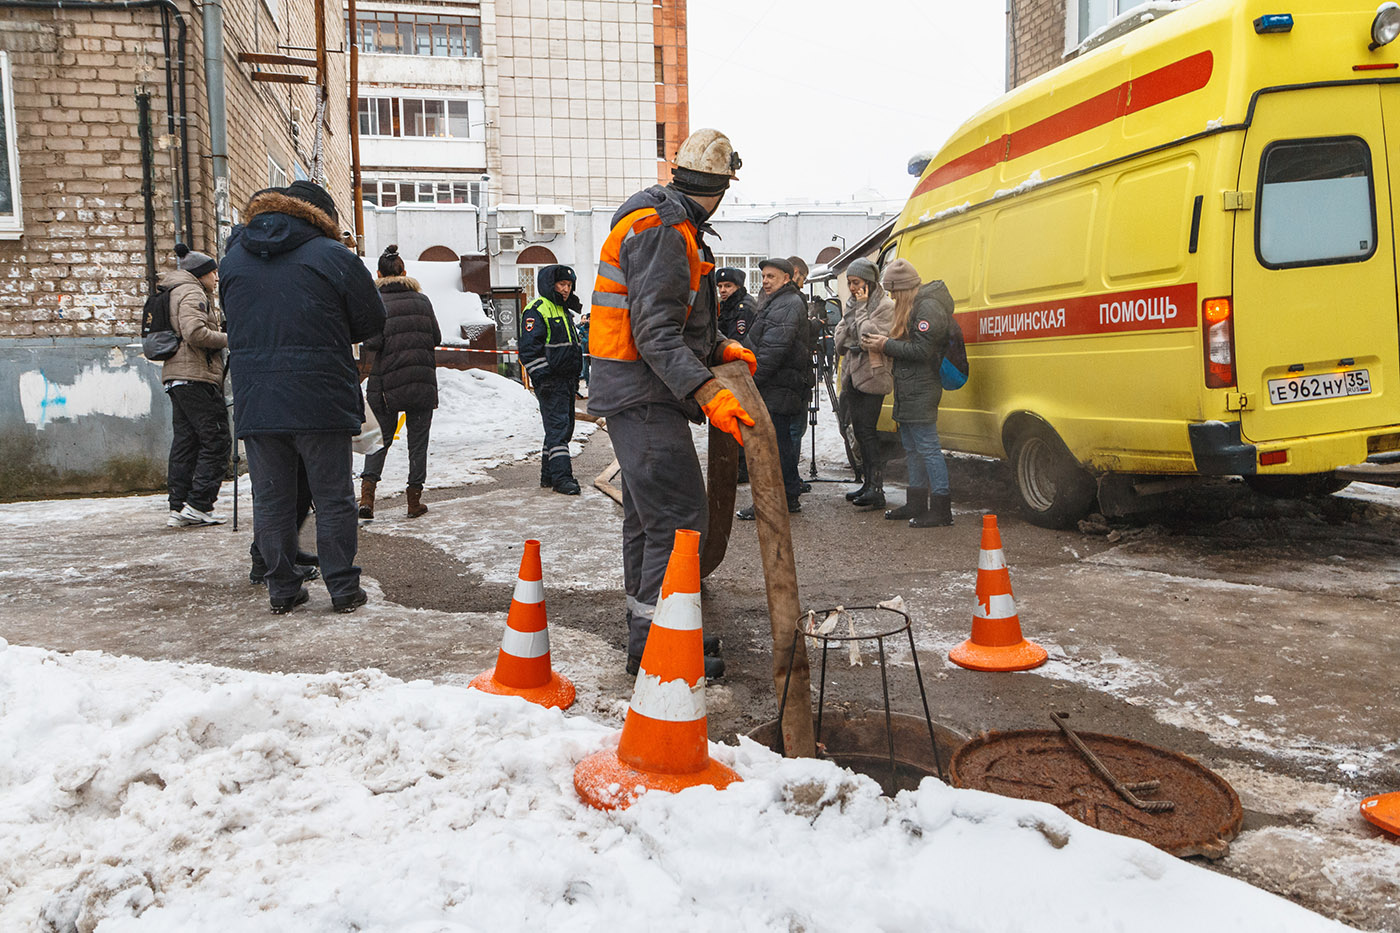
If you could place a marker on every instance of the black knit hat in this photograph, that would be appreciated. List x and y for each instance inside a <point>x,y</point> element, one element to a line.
<point>315,195</point>
<point>730,274</point>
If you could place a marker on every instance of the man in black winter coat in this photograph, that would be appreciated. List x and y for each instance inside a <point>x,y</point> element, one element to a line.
<point>296,302</point>
<point>736,306</point>
<point>552,354</point>
<point>779,339</point>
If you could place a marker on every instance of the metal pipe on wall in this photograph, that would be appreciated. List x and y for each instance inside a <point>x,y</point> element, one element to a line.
<point>167,9</point>
<point>213,12</point>
<point>356,182</point>
<point>143,126</point>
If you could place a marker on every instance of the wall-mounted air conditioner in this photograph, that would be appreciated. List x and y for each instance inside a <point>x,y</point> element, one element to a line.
<point>550,222</point>
<point>509,239</point>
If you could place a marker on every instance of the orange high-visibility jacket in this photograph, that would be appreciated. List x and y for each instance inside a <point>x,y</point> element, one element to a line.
<point>653,325</point>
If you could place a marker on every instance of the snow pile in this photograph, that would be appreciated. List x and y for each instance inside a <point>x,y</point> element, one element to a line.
<point>482,420</point>
<point>454,308</point>
<point>168,797</point>
<point>1035,181</point>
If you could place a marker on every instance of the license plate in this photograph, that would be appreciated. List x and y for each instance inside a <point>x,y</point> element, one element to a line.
<point>1320,386</point>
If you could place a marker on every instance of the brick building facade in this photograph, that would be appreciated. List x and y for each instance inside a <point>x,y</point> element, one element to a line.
<point>1042,34</point>
<point>79,408</point>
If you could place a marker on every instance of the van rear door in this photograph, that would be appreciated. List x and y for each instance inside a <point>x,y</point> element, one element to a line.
<point>1316,337</point>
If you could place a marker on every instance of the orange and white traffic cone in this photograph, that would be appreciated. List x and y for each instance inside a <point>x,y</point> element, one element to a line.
<point>665,739</point>
<point>996,643</point>
<point>522,667</point>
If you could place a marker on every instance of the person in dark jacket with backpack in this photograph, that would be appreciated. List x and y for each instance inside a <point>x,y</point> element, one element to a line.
<point>403,378</point>
<point>779,340</point>
<point>916,343</point>
<point>297,301</point>
<point>194,382</point>
<point>552,354</point>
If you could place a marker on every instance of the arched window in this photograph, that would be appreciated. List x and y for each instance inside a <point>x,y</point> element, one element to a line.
<point>828,254</point>
<point>528,264</point>
<point>438,254</point>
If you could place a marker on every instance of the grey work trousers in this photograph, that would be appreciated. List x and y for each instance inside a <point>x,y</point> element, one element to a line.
<point>419,424</point>
<point>663,491</point>
<point>272,460</point>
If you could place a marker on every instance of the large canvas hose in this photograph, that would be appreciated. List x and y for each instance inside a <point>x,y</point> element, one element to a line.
<point>774,544</point>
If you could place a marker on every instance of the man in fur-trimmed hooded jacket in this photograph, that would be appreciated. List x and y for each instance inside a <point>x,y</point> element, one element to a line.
<point>296,301</point>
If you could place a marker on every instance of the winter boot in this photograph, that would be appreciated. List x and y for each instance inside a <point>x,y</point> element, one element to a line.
<point>915,504</point>
<point>415,501</point>
<point>566,485</point>
<point>874,497</point>
<point>940,513</point>
<point>367,497</point>
<point>855,494</point>
<point>546,481</point>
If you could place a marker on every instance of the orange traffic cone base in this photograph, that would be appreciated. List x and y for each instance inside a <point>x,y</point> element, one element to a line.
<point>604,781</point>
<point>977,657</point>
<point>1384,811</point>
<point>557,692</point>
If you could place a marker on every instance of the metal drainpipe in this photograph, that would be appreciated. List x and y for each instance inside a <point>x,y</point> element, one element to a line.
<point>167,8</point>
<point>213,14</point>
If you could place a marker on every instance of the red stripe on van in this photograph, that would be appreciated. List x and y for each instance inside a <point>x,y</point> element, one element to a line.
<point>1112,313</point>
<point>1156,87</point>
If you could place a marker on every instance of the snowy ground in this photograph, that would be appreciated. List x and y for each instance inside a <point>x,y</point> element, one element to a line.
<point>482,420</point>
<point>159,796</point>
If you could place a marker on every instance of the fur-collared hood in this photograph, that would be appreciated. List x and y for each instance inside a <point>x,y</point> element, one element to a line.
<point>398,283</point>
<point>274,202</point>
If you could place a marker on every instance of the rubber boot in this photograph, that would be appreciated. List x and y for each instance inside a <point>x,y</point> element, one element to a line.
<point>939,514</point>
<point>915,504</point>
<point>415,501</point>
<point>875,497</point>
<point>367,497</point>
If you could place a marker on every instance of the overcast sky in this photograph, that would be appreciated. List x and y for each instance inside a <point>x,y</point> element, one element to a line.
<point>824,99</point>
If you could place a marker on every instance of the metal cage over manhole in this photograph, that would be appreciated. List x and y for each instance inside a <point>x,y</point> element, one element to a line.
<point>1045,765</point>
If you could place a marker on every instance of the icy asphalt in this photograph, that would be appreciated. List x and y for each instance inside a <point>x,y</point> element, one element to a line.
<point>1256,636</point>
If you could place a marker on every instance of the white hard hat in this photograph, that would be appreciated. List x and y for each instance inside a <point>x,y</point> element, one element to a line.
<point>709,151</point>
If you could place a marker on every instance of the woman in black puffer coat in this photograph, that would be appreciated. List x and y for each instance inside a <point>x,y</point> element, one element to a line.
<point>403,379</point>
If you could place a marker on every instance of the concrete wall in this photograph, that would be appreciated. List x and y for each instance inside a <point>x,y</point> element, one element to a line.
<point>80,415</point>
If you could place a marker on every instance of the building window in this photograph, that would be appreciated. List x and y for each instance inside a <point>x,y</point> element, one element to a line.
<point>391,193</point>
<point>749,264</point>
<point>276,174</point>
<point>416,117</point>
<point>1085,17</point>
<point>660,65</point>
<point>661,141</point>
<point>11,219</point>
<point>403,33</point>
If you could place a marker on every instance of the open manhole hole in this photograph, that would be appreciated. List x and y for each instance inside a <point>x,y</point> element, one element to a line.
<point>1036,764</point>
<point>860,742</point>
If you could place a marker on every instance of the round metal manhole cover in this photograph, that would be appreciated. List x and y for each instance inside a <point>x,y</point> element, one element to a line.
<point>1035,764</point>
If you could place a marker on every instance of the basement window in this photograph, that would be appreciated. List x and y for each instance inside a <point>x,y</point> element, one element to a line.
<point>11,219</point>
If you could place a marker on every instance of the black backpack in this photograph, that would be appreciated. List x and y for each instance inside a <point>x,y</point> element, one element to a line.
<point>159,342</point>
<point>953,372</point>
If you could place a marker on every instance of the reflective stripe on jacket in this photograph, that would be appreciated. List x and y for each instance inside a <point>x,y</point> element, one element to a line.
<point>549,342</point>
<point>610,328</point>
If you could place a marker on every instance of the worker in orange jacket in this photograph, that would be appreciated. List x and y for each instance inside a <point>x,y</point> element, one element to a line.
<point>654,336</point>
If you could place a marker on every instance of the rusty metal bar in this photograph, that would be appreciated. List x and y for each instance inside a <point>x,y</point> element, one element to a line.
<point>270,58</point>
<point>273,77</point>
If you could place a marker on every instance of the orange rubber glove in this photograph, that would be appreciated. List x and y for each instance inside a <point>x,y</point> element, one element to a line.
<point>734,350</point>
<point>723,409</point>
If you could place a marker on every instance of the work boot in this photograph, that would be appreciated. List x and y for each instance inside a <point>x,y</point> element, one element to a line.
<point>367,497</point>
<point>794,505</point>
<point>415,501</point>
<point>285,604</point>
<point>546,481</point>
<point>874,497</point>
<point>939,514</point>
<point>855,494</point>
<point>915,504</point>
<point>712,645</point>
<point>349,603</point>
<point>566,485</point>
<point>634,664</point>
<point>714,668</point>
<point>745,514</point>
<point>307,559</point>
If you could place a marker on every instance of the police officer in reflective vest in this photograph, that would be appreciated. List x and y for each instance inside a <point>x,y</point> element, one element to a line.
<point>552,354</point>
<point>653,337</point>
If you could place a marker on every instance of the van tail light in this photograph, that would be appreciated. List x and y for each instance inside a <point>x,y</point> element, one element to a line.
<point>1219,323</point>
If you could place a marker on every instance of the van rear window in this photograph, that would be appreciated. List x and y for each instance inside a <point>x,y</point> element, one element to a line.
<point>1316,203</point>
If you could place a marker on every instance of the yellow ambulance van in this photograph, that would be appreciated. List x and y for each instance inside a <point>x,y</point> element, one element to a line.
<point>1175,256</point>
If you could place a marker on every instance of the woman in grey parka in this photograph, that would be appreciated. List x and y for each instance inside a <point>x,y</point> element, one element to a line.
<point>865,375</point>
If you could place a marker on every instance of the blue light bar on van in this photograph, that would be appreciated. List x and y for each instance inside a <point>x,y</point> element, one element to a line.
<point>1274,22</point>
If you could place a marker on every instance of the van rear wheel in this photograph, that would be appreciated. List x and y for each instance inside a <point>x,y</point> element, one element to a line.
<point>1301,486</point>
<point>1056,492</point>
